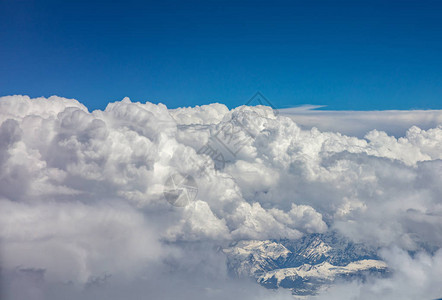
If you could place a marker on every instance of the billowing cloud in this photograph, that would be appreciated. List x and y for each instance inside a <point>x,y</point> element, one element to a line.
<point>83,205</point>
<point>414,277</point>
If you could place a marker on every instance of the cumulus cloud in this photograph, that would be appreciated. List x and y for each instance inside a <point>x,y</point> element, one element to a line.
<point>83,209</point>
<point>413,277</point>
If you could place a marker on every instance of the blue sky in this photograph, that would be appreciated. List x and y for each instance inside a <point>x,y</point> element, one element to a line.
<point>348,55</point>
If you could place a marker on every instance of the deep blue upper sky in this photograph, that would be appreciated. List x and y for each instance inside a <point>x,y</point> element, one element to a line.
<point>359,55</point>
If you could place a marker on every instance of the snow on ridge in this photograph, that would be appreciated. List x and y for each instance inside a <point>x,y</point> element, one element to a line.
<point>317,249</point>
<point>323,270</point>
<point>268,248</point>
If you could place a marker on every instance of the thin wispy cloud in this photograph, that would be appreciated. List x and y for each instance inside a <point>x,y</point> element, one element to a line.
<point>359,123</point>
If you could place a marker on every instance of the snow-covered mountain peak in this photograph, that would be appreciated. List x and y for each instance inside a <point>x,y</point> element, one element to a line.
<point>305,265</point>
<point>267,248</point>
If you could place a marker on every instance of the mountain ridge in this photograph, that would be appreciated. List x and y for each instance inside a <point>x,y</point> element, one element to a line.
<point>305,265</point>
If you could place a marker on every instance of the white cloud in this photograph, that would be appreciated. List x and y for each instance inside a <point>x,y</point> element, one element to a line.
<point>82,192</point>
<point>74,241</point>
<point>358,123</point>
<point>415,277</point>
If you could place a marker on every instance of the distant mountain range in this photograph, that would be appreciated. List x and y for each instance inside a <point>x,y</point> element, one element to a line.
<point>307,265</point>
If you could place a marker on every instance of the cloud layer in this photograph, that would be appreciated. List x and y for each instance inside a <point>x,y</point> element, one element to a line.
<point>82,202</point>
<point>358,123</point>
